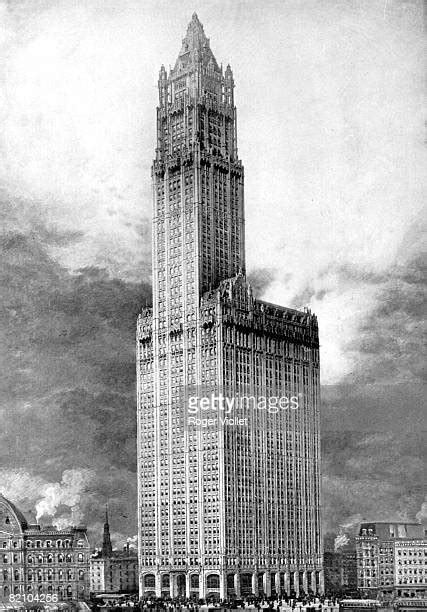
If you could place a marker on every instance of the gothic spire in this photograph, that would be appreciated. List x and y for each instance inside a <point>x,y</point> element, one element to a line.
<point>195,46</point>
<point>107,548</point>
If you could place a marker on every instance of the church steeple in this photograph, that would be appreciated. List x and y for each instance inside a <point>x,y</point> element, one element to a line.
<point>107,549</point>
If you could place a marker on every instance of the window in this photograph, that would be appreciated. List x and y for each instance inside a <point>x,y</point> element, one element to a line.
<point>212,582</point>
<point>150,581</point>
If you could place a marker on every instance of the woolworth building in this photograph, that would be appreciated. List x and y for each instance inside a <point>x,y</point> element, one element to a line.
<point>224,509</point>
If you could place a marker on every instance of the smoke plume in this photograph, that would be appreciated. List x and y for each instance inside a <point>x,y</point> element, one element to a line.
<point>68,492</point>
<point>346,531</point>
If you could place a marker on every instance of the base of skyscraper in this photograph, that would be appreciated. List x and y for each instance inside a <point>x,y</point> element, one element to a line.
<point>231,584</point>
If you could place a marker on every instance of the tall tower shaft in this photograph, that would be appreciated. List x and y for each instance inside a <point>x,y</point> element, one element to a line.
<point>221,511</point>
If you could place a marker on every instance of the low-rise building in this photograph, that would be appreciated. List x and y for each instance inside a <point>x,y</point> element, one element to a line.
<point>340,569</point>
<point>113,571</point>
<point>392,560</point>
<point>115,574</point>
<point>41,560</point>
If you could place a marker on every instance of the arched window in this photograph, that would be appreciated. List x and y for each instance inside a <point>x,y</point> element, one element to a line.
<point>29,589</point>
<point>69,591</point>
<point>30,575</point>
<point>60,558</point>
<point>58,543</point>
<point>69,575</point>
<point>16,589</point>
<point>49,574</point>
<point>212,581</point>
<point>30,559</point>
<point>39,575</point>
<point>194,581</point>
<point>40,559</point>
<point>49,588</point>
<point>81,575</point>
<point>67,543</point>
<point>50,558</point>
<point>81,557</point>
<point>6,591</point>
<point>5,574</point>
<point>60,574</point>
<point>149,581</point>
<point>48,544</point>
<point>16,575</point>
<point>165,581</point>
<point>69,558</point>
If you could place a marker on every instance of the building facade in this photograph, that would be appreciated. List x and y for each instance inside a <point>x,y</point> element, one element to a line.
<point>41,560</point>
<point>224,508</point>
<point>392,560</point>
<point>113,571</point>
<point>115,574</point>
<point>340,569</point>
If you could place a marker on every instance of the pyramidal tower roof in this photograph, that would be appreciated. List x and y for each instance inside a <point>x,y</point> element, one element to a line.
<point>195,46</point>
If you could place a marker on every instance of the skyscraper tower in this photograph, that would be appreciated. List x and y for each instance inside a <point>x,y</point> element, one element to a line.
<point>224,508</point>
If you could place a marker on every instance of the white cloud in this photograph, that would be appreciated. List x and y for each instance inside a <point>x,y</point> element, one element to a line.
<point>330,107</point>
<point>48,497</point>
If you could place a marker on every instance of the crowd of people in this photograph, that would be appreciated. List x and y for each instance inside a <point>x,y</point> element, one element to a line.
<point>258,604</point>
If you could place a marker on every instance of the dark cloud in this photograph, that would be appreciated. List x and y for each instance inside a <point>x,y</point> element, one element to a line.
<point>68,365</point>
<point>68,388</point>
<point>373,423</point>
<point>390,342</point>
<point>377,475</point>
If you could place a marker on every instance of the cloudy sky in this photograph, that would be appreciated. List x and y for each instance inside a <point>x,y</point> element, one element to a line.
<point>331,106</point>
